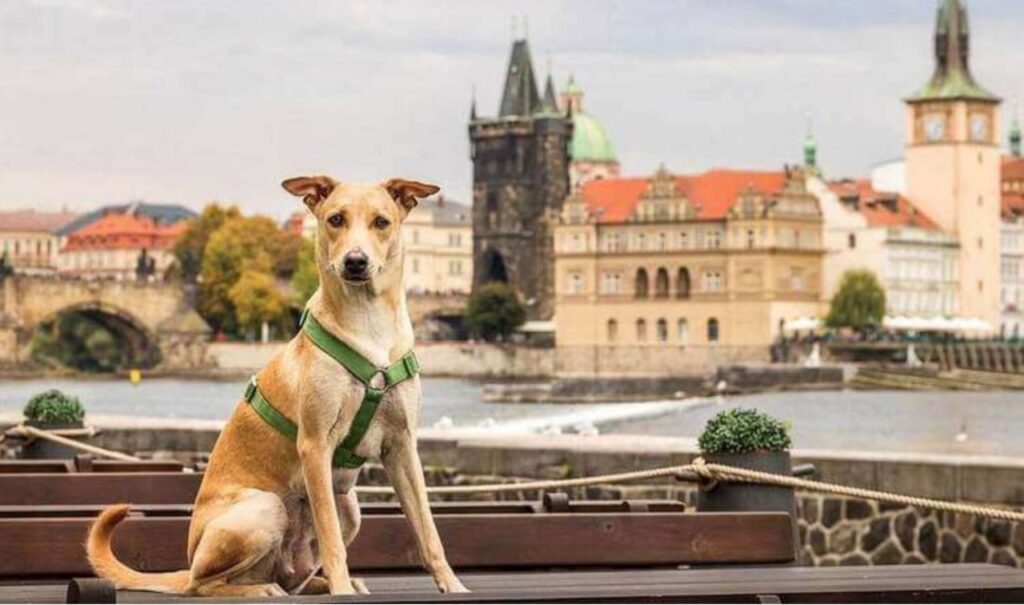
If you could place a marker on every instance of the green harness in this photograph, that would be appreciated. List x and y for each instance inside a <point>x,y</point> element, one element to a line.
<point>360,367</point>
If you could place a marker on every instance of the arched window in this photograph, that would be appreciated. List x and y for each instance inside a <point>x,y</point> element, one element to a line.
<point>641,330</point>
<point>662,328</point>
<point>613,330</point>
<point>683,283</point>
<point>713,330</point>
<point>661,283</point>
<point>682,331</point>
<point>641,284</point>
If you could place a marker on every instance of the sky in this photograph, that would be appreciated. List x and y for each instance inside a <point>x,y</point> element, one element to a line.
<point>192,101</point>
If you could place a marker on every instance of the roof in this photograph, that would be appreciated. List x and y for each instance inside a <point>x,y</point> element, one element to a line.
<point>712,192</point>
<point>952,78</point>
<point>161,213</point>
<point>125,231</point>
<point>590,141</point>
<point>881,208</point>
<point>1012,169</point>
<point>1012,201</point>
<point>34,221</point>
<point>447,212</point>
<point>520,97</point>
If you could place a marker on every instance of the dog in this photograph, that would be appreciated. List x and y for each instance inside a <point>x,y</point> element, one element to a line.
<point>266,519</point>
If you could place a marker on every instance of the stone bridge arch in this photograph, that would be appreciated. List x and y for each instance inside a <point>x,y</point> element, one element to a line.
<point>155,318</point>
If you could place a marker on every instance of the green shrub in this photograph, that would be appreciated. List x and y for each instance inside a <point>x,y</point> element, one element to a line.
<point>54,406</point>
<point>493,312</point>
<point>740,431</point>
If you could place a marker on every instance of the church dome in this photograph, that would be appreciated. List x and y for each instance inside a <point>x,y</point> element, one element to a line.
<point>590,141</point>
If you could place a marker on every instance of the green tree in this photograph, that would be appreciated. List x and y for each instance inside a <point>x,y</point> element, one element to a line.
<point>305,280</point>
<point>257,299</point>
<point>494,311</point>
<point>859,303</point>
<point>240,244</point>
<point>190,246</point>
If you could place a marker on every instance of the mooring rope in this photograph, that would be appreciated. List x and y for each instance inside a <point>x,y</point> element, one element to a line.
<point>61,436</point>
<point>721,472</point>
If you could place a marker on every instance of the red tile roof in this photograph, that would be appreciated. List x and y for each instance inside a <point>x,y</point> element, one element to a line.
<point>125,231</point>
<point>1013,172</point>
<point>881,208</point>
<point>712,192</point>
<point>34,221</point>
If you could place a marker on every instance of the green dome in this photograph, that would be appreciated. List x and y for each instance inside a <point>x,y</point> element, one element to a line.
<point>590,142</point>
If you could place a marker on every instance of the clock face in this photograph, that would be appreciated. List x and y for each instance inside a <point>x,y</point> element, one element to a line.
<point>979,127</point>
<point>934,127</point>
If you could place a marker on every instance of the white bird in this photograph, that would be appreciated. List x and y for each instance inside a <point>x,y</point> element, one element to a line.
<point>962,435</point>
<point>586,428</point>
<point>444,422</point>
<point>721,386</point>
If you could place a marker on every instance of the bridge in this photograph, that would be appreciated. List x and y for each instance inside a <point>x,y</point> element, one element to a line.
<point>153,321</point>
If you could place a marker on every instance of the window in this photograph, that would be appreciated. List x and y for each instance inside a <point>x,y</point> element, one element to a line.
<point>712,281</point>
<point>851,241</point>
<point>640,243</point>
<point>415,236</point>
<point>641,330</point>
<point>683,241</point>
<point>415,265</point>
<point>575,283</point>
<point>610,283</point>
<point>682,331</point>
<point>662,238</point>
<point>712,239</point>
<point>640,284</point>
<point>662,328</point>
<point>612,330</point>
<point>661,283</point>
<point>683,283</point>
<point>455,267</point>
<point>712,330</point>
<point>750,238</point>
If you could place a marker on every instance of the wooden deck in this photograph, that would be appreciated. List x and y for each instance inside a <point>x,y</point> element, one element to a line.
<point>762,584</point>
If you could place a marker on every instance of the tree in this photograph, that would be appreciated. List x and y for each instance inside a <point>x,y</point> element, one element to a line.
<point>256,298</point>
<point>190,246</point>
<point>306,279</point>
<point>240,244</point>
<point>494,311</point>
<point>859,303</point>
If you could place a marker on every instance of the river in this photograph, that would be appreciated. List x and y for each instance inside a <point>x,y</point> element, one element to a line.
<point>949,422</point>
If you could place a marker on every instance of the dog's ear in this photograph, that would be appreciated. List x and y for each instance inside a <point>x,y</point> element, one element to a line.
<point>408,193</point>
<point>312,189</point>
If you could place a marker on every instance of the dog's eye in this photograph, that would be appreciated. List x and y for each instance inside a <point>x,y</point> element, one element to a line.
<point>336,220</point>
<point>381,223</point>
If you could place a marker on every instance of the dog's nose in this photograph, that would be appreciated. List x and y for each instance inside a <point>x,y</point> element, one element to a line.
<point>356,262</point>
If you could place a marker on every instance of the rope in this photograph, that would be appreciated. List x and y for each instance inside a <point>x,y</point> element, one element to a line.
<point>56,436</point>
<point>721,472</point>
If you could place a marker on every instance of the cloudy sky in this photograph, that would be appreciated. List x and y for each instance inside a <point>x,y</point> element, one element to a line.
<point>195,100</point>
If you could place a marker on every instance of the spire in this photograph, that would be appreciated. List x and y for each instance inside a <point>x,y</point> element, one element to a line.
<point>572,96</point>
<point>520,97</point>
<point>549,105</point>
<point>952,78</point>
<point>472,105</point>
<point>1015,135</point>
<point>810,148</point>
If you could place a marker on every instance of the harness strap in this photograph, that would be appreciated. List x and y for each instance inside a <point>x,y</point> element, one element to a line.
<point>360,367</point>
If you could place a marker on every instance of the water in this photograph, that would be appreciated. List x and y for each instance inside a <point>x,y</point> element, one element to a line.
<point>953,422</point>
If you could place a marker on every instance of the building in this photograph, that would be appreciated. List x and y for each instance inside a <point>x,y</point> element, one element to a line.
<point>953,162</point>
<point>1012,238</point>
<point>699,267</point>
<point>121,244</point>
<point>29,240</point>
<point>438,239</point>
<point>591,153</point>
<point>520,179</point>
<point>885,233</point>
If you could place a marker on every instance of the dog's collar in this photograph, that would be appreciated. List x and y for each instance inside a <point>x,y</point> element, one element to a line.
<point>376,380</point>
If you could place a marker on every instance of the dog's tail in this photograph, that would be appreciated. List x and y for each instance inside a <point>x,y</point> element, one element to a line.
<point>106,564</point>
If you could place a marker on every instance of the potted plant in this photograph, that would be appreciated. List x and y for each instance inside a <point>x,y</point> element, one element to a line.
<point>754,440</point>
<point>48,411</point>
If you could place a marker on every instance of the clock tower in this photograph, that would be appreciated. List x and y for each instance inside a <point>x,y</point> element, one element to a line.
<point>953,162</point>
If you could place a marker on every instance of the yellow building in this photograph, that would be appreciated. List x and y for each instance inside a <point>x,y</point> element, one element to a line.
<point>699,268</point>
<point>439,248</point>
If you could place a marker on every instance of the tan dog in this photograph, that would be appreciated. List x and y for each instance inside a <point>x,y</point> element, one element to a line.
<point>265,518</point>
